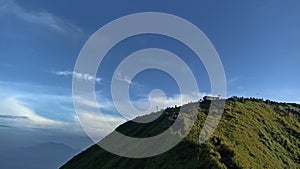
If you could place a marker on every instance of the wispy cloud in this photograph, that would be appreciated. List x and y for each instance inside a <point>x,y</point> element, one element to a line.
<point>123,78</point>
<point>39,110</point>
<point>79,76</point>
<point>13,117</point>
<point>14,109</point>
<point>37,17</point>
<point>152,102</point>
<point>98,126</point>
<point>102,104</point>
<point>5,126</point>
<point>49,108</point>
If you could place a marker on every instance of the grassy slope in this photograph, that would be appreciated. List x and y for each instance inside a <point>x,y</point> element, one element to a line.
<point>252,134</point>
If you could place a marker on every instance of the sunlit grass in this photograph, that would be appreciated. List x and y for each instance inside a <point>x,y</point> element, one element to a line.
<point>252,133</point>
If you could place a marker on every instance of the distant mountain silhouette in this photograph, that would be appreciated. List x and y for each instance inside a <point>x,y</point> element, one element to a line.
<point>43,156</point>
<point>253,133</point>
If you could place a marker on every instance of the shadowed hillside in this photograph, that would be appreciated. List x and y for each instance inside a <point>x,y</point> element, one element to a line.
<point>252,133</point>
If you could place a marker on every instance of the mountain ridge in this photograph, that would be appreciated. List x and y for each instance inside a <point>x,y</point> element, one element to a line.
<point>253,133</point>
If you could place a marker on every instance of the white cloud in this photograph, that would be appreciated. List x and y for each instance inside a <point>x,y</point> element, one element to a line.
<point>11,107</point>
<point>102,104</point>
<point>79,76</point>
<point>123,78</point>
<point>37,17</point>
<point>21,108</point>
<point>161,102</point>
<point>179,99</point>
<point>97,126</point>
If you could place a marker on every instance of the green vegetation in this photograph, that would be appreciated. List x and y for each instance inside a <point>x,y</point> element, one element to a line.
<point>252,133</point>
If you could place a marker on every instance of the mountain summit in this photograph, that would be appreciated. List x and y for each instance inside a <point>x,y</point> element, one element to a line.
<point>253,133</point>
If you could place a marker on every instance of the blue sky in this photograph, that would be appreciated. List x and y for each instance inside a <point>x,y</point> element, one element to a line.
<point>258,43</point>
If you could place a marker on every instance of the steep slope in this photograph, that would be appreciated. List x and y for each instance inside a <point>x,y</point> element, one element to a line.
<point>252,133</point>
